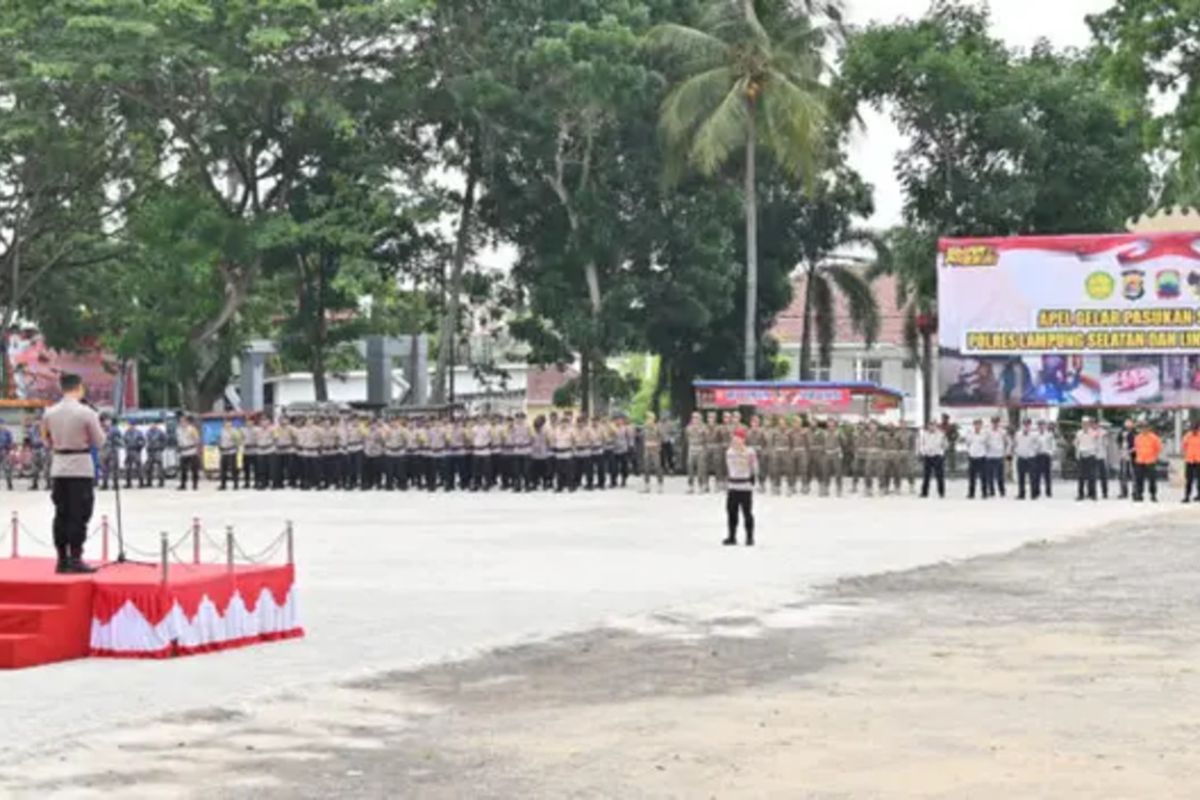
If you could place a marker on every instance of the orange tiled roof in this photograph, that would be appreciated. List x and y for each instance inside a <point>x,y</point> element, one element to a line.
<point>790,322</point>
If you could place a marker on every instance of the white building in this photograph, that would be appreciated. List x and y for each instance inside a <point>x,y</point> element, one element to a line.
<point>501,392</point>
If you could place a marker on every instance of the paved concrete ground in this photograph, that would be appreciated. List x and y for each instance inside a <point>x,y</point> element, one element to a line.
<point>393,583</point>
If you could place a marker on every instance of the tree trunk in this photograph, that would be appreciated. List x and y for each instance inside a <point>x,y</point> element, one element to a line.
<point>660,385</point>
<point>212,382</point>
<point>448,331</point>
<point>751,201</point>
<point>585,380</point>
<point>927,376</point>
<point>805,371</point>
<point>189,391</point>
<point>320,381</point>
<point>683,397</point>
<point>320,336</point>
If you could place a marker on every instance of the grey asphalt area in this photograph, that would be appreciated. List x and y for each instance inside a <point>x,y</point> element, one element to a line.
<point>1064,670</point>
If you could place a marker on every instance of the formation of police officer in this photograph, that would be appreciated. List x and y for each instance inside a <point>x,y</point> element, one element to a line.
<point>135,452</point>
<point>563,452</point>
<point>804,454</point>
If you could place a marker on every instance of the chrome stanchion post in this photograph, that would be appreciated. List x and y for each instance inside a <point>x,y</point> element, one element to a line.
<point>16,533</point>
<point>166,554</point>
<point>229,547</point>
<point>104,539</point>
<point>291,544</point>
<point>195,540</point>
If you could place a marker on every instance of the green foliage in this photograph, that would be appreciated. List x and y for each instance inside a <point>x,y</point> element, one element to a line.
<point>179,176</point>
<point>753,75</point>
<point>1000,142</point>
<point>1149,46</point>
<point>738,67</point>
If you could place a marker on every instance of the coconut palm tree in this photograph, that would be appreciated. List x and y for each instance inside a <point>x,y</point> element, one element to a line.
<point>750,81</point>
<point>849,275</point>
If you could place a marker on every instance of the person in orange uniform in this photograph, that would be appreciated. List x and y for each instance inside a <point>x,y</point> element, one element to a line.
<point>1147,447</point>
<point>1191,456</point>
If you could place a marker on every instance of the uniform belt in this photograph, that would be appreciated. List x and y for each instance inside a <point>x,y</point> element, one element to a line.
<point>72,452</point>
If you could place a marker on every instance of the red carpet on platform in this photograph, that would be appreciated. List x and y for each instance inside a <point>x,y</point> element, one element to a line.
<point>127,611</point>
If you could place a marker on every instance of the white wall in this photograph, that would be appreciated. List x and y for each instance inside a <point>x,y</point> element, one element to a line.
<point>351,387</point>
<point>844,366</point>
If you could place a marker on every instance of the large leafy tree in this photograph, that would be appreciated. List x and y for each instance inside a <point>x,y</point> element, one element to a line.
<point>751,79</point>
<point>64,169</point>
<point>999,142</point>
<point>1149,46</point>
<point>561,188</point>
<point>235,101</point>
<point>466,57</point>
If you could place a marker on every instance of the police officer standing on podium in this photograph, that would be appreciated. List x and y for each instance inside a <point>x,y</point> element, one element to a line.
<point>72,429</point>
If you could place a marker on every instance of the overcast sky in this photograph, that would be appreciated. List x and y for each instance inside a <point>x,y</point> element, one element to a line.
<point>1018,22</point>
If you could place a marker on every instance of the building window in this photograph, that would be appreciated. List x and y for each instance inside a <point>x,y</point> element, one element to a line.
<point>823,371</point>
<point>869,370</point>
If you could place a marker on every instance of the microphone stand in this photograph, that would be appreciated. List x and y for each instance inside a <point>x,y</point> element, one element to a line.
<point>122,376</point>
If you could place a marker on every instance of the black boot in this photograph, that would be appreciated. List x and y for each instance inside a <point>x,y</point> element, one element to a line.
<point>64,563</point>
<point>76,564</point>
<point>730,541</point>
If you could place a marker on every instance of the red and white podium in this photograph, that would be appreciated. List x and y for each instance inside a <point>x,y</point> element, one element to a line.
<point>134,611</point>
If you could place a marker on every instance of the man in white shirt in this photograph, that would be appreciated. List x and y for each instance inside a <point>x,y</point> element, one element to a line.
<point>997,450</point>
<point>976,442</point>
<point>931,447</point>
<point>1047,445</point>
<point>1087,452</point>
<point>1027,448</point>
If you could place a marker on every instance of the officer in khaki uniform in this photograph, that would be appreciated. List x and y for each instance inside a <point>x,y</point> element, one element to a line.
<point>713,451</point>
<point>869,447</point>
<point>652,439</point>
<point>250,452</point>
<point>779,453</point>
<point>756,440</point>
<point>833,458</point>
<point>696,436</point>
<point>187,436</point>
<point>308,453</point>
<point>564,454</point>
<point>901,451</point>
<point>890,473</point>
<point>227,444</point>
<point>520,440</point>
<point>818,469</point>
<point>911,459</point>
<point>73,431</point>
<point>802,456</point>
<point>331,457</point>
<point>394,441</point>
<point>848,441</point>
<point>860,458</point>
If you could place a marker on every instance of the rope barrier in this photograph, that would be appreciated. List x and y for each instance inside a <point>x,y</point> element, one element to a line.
<point>266,555</point>
<point>145,555</point>
<point>37,539</point>
<point>218,546</point>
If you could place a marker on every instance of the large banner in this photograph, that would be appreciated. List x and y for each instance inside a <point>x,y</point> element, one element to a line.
<point>1109,320</point>
<point>776,400</point>
<point>1110,294</point>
